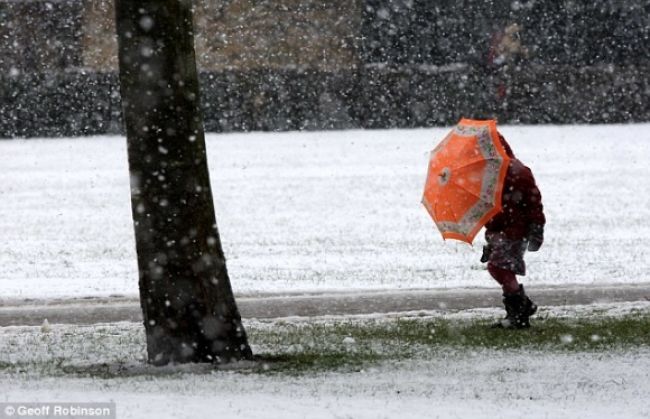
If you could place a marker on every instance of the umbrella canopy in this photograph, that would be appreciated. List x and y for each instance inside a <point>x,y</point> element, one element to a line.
<point>465,179</point>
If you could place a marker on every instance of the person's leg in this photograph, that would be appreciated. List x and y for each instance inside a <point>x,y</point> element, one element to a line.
<point>505,261</point>
<point>507,279</point>
<point>518,306</point>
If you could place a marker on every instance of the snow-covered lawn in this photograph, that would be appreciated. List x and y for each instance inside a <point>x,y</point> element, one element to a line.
<point>484,384</point>
<point>322,210</point>
<point>65,363</point>
<point>325,211</point>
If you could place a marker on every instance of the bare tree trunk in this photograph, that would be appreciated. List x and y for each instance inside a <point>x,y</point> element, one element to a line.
<point>190,313</point>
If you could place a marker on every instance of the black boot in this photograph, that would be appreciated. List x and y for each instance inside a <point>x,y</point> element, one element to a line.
<point>519,308</point>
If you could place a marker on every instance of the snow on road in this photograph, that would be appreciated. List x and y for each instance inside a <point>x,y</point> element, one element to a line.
<point>323,211</point>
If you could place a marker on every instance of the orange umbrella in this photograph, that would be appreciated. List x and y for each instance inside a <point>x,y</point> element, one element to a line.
<point>465,179</point>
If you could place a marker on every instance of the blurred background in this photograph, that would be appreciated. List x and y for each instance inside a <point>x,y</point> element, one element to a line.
<point>277,65</point>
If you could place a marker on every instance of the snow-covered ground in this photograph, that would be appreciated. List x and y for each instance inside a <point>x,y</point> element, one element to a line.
<point>326,211</point>
<point>323,211</point>
<point>445,383</point>
<point>482,384</point>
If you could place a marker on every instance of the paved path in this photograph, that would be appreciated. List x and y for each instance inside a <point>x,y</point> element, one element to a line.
<point>106,310</point>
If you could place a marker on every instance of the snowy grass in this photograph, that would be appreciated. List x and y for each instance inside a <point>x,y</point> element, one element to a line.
<point>353,345</point>
<point>454,384</point>
<point>400,365</point>
<point>312,345</point>
<point>315,211</point>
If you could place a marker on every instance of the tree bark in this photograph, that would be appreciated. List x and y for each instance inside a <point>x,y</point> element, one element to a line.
<point>190,314</point>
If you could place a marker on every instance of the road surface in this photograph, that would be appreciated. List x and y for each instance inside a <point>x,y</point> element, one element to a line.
<point>265,306</point>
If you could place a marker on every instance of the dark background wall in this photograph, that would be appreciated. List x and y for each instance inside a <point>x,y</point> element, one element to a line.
<point>307,64</point>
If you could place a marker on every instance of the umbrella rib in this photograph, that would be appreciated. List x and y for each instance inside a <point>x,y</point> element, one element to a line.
<point>470,164</point>
<point>449,207</point>
<point>468,191</point>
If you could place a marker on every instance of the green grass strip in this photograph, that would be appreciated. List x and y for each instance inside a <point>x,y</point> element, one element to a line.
<point>353,344</point>
<point>115,351</point>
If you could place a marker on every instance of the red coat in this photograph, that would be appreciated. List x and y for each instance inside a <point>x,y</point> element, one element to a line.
<point>522,213</point>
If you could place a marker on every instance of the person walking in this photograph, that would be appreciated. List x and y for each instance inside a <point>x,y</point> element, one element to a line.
<point>518,227</point>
